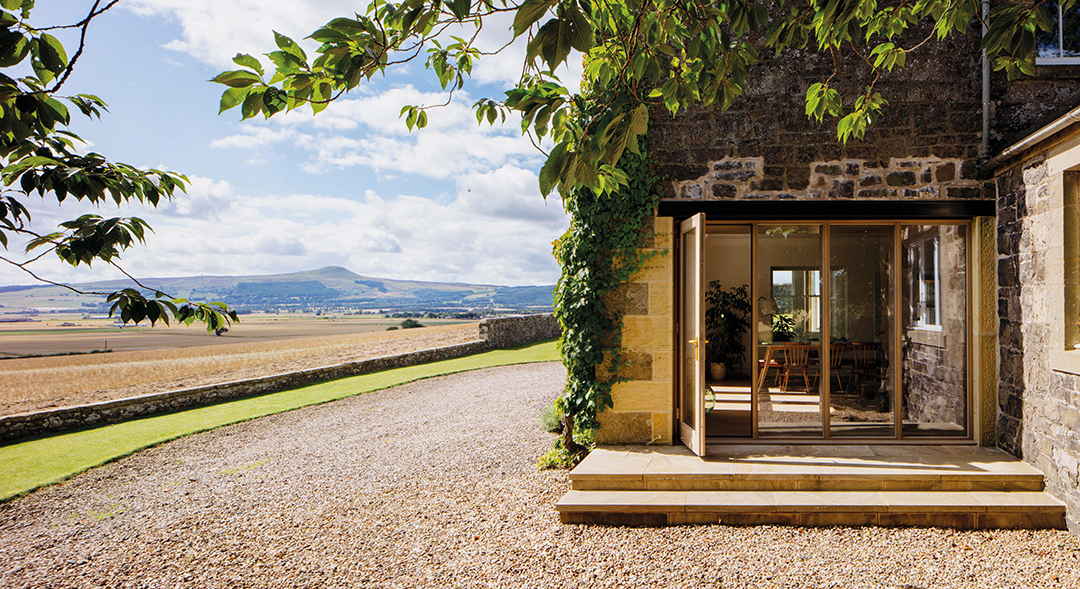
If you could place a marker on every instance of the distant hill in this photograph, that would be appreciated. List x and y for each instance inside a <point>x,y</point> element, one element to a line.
<point>332,288</point>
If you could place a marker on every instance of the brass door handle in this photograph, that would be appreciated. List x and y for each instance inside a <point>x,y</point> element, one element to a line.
<point>696,348</point>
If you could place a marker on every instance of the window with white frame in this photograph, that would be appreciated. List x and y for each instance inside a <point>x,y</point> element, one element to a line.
<point>924,261</point>
<point>797,292</point>
<point>1061,44</point>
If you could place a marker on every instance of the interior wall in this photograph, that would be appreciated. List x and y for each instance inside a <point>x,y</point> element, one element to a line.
<point>727,259</point>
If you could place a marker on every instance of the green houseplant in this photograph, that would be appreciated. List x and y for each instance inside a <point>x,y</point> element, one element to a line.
<point>783,328</point>
<point>727,319</point>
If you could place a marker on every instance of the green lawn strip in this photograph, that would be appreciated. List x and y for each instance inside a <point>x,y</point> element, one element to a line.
<point>25,466</point>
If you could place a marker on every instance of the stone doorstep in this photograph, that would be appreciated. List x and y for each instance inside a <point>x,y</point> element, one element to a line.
<point>965,510</point>
<point>781,482</point>
<point>875,468</point>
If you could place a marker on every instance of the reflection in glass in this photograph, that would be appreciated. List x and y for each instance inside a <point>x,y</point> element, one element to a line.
<point>934,330</point>
<point>788,270</point>
<point>1063,38</point>
<point>861,318</point>
<point>689,337</point>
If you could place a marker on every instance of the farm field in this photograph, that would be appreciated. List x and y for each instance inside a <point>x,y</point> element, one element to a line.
<point>70,334</point>
<point>167,359</point>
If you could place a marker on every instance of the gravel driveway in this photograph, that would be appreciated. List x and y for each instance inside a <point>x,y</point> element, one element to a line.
<point>433,484</point>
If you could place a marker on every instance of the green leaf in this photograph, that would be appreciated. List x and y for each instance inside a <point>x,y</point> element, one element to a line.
<point>528,13</point>
<point>237,79</point>
<point>639,120</point>
<point>232,97</point>
<point>253,104</point>
<point>289,46</point>
<point>248,61</point>
<point>460,8</point>
<point>552,168</point>
<point>13,48</point>
<point>52,53</point>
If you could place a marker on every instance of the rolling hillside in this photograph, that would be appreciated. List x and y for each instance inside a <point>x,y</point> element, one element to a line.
<point>332,288</point>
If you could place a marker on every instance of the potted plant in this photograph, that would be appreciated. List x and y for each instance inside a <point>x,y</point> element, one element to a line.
<point>783,328</point>
<point>727,319</point>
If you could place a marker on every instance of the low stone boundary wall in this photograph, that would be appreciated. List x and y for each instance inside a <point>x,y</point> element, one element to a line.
<point>503,332</point>
<point>495,333</point>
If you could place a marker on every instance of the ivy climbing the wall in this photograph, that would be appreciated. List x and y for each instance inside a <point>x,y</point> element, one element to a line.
<point>599,254</point>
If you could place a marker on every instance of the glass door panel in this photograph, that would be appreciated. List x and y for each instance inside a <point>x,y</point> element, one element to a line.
<point>692,335</point>
<point>790,289</point>
<point>861,301</point>
<point>935,326</point>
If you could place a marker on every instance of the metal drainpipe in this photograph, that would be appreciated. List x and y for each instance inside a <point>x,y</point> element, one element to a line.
<point>984,149</point>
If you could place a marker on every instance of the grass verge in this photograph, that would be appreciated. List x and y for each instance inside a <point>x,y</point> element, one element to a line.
<point>28,465</point>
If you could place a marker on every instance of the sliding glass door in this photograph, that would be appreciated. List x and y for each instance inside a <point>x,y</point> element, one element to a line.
<point>862,294</point>
<point>860,331</point>
<point>790,299</point>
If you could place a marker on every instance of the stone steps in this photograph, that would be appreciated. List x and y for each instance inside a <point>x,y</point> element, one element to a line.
<point>957,487</point>
<point>950,509</point>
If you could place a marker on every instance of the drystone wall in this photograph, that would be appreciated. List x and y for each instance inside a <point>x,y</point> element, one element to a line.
<point>494,333</point>
<point>503,332</point>
<point>1038,406</point>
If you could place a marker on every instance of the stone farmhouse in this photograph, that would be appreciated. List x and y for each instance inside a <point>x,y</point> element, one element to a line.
<point>919,287</point>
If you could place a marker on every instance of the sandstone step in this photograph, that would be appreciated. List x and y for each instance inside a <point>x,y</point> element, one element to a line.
<point>876,468</point>
<point>952,509</point>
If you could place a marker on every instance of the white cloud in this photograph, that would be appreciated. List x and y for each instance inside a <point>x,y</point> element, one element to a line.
<point>252,136</point>
<point>499,233</point>
<point>214,31</point>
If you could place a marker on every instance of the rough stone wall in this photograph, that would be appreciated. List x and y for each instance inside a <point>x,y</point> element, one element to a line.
<point>494,333</point>
<point>925,145</point>
<point>1038,404</point>
<point>503,332</point>
<point>643,411</point>
<point>1023,313</point>
<point>892,179</point>
<point>1021,107</point>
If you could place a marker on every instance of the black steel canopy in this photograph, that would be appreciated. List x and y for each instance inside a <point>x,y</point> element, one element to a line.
<point>827,210</point>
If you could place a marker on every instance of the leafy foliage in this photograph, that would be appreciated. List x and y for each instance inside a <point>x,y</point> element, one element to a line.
<point>598,254</point>
<point>39,155</point>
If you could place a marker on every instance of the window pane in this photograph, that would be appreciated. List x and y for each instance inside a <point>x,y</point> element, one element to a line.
<point>1070,31</point>
<point>788,268</point>
<point>861,311</point>
<point>934,352</point>
<point>1063,40</point>
<point>691,350</point>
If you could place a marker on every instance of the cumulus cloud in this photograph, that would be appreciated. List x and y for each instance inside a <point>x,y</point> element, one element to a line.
<point>213,31</point>
<point>497,230</point>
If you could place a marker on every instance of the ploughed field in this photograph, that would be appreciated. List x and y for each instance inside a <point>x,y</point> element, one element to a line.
<point>147,360</point>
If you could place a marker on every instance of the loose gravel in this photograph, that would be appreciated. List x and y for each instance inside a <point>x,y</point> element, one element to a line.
<point>433,484</point>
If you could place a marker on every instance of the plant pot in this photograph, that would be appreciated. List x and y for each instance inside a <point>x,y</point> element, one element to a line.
<point>717,370</point>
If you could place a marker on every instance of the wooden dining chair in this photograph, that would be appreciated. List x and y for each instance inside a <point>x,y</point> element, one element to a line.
<point>774,364</point>
<point>836,359</point>
<point>867,363</point>
<point>796,359</point>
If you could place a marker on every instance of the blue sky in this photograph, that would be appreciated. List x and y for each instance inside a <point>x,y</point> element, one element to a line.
<point>349,187</point>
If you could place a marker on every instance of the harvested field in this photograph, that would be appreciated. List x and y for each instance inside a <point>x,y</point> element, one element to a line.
<point>433,484</point>
<point>34,384</point>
